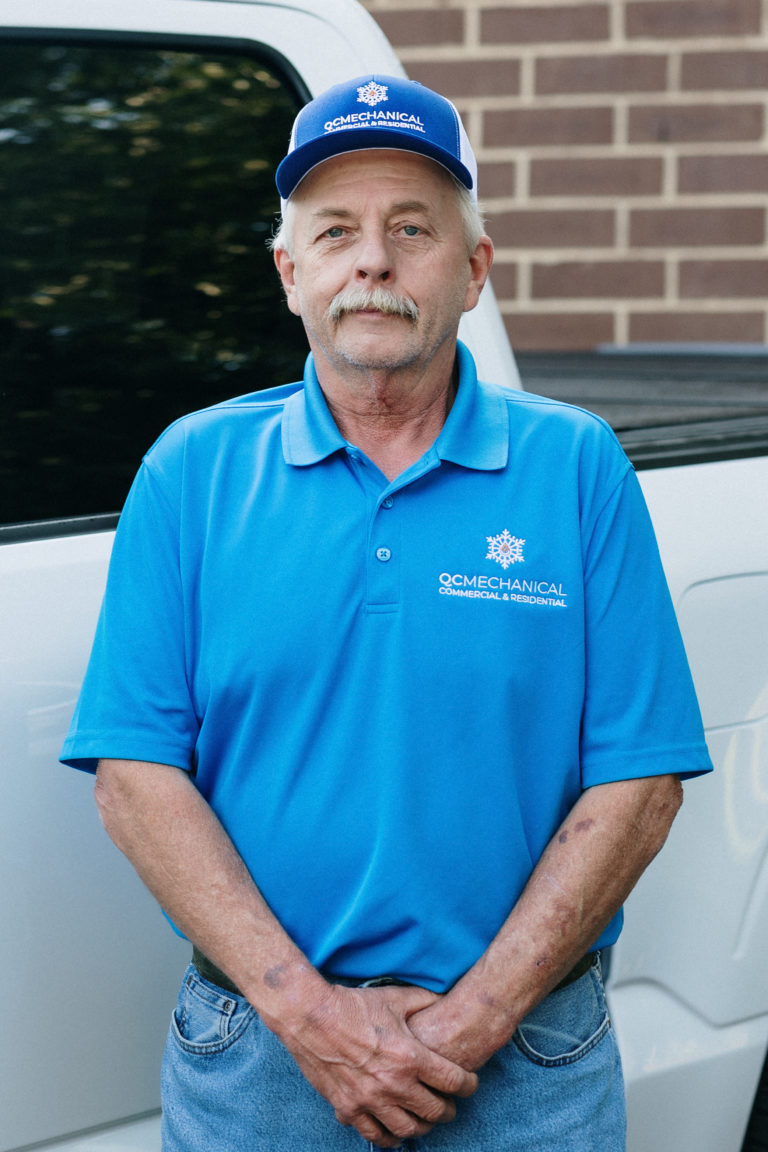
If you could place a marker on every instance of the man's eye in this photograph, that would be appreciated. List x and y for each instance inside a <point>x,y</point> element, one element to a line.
<point>411,230</point>
<point>335,232</point>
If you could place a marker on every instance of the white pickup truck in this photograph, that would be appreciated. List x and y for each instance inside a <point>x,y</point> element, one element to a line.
<point>138,143</point>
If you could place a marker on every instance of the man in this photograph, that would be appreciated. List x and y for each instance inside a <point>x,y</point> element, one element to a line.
<point>388,696</point>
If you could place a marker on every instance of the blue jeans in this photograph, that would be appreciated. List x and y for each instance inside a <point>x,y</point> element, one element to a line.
<point>230,1086</point>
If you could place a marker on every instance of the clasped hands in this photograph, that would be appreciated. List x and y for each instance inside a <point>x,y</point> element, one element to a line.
<point>387,1058</point>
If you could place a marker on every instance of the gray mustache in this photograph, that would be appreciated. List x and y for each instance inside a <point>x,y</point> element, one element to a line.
<point>358,299</point>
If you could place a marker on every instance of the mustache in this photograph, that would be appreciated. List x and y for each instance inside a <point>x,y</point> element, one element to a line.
<point>380,299</point>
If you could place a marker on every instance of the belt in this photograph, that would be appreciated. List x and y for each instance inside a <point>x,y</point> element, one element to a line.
<point>209,971</point>
<point>579,969</point>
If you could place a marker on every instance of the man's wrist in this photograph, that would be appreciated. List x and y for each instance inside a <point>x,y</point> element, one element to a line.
<point>467,1026</point>
<point>287,993</point>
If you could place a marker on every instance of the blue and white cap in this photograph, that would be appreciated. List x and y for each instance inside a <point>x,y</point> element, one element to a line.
<point>377,112</point>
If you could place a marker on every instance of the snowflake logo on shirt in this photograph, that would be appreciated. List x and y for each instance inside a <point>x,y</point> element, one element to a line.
<point>372,93</point>
<point>505,549</point>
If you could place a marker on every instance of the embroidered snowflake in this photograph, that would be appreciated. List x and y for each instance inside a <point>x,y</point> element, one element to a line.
<point>505,549</point>
<point>372,93</point>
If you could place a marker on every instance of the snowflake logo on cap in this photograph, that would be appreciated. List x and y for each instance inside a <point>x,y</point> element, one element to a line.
<point>372,93</point>
<point>505,549</point>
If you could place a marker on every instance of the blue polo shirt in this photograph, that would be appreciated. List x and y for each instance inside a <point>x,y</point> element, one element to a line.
<point>391,693</point>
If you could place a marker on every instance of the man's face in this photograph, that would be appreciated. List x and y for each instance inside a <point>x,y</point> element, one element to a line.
<point>388,221</point>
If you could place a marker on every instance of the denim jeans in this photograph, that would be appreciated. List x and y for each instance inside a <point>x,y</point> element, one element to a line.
<point>230,1086</point>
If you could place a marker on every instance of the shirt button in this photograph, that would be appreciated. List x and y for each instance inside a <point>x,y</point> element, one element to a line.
<point>388,501</point>
<point>383,554</point>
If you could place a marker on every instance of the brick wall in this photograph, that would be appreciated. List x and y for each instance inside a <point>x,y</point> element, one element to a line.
<point>623,152</point>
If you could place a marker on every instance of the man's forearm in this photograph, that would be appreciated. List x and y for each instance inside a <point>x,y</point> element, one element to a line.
<point>159,820</point>
<point>354,1046</point>
<point>585,875</point>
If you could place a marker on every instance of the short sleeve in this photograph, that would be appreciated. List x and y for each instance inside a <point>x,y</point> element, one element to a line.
<point>641,716</point>
<point>135,702</point>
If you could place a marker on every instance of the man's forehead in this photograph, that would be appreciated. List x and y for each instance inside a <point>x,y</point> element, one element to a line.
<point>321,209</point>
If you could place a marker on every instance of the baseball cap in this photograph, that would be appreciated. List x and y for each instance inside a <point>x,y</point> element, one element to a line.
<point>377,112</point>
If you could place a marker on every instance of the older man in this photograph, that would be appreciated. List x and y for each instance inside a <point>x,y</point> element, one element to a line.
<point>388,696</point>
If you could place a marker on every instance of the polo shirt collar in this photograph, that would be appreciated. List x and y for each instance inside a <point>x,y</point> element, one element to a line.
<point>310,432</point>
<point>475,435</point>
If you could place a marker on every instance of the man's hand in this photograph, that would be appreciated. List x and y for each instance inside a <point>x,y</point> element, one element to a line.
<point>466,1034</point>
<point>356,1048</point>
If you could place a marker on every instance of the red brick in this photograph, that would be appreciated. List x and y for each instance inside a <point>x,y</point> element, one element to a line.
<point>614,73</point>
<point>539,127</point>
<point>417,27</point>
<point>532,228</point>
<point>708,71</point>
<point>696,227</point>
<point>723,173</point>
<point>496,179</point>
<point>564,331</point>
<point>504,280</point>
<point>701,279</point>
<point>604,176</point>
<point>457,78</point>
<point>680,123</point>
<point>684,18</point>
<point>622,279</point>
<point>697,327</point>
<point>545,23</point>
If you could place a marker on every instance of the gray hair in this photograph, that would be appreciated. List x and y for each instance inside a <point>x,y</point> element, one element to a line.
<point>471,218</point>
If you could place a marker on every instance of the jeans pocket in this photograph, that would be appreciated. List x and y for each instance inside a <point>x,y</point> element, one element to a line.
<point>208,1019</point>
<point>567,1024</point>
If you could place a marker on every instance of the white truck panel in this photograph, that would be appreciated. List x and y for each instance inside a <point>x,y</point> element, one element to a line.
<point>688,990</point>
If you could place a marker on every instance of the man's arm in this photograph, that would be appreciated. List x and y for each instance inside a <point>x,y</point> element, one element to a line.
<point>353,1045</point>
<point>589,868</point>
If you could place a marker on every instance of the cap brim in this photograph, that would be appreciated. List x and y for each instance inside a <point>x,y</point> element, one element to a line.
<point>300,162</point>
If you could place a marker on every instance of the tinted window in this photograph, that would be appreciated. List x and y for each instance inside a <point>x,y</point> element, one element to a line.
<point>136,196</point>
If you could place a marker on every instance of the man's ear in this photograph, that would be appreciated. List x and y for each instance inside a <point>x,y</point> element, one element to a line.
<point>480,265</point>
<point>285,268</point>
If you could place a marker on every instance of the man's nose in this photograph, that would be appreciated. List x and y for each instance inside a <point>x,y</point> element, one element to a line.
<point>373,259</point>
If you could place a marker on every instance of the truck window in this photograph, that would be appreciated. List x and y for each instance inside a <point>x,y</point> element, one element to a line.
<point>136,196</point>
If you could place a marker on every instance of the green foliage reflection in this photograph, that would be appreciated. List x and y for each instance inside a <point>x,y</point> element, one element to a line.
<point>136,195</point>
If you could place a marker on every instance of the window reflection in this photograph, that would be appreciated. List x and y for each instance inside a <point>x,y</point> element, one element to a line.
<point>136,196</point>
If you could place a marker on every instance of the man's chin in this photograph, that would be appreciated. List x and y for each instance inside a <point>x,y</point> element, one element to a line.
<point>375,355</point>
<point>372,362</point>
